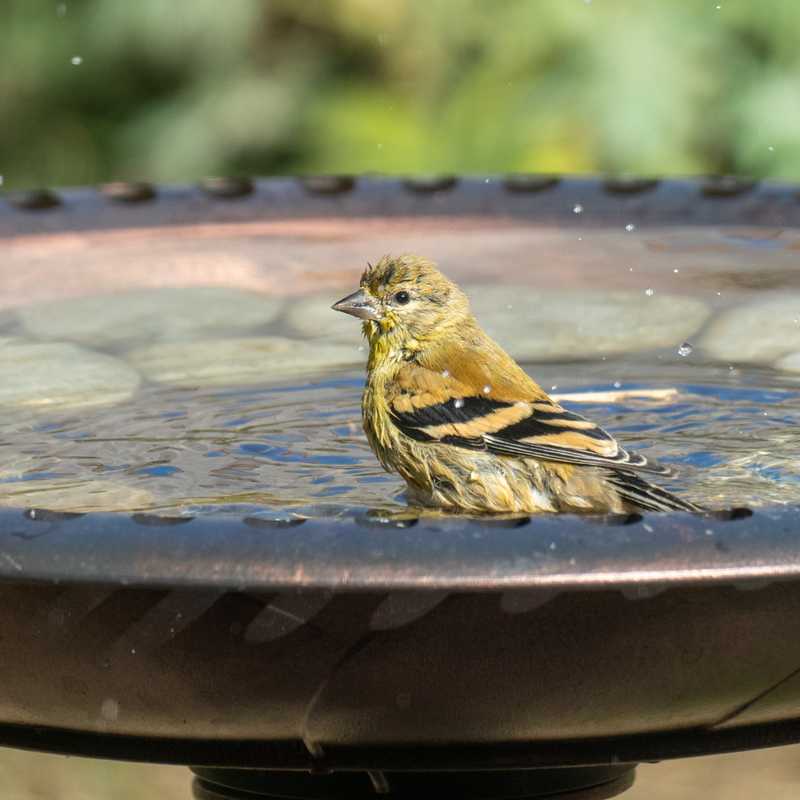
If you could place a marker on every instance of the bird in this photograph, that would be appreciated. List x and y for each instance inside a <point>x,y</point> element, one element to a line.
<point>446,408</point>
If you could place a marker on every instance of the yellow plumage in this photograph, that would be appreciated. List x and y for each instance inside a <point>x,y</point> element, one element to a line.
<point>450,411</point>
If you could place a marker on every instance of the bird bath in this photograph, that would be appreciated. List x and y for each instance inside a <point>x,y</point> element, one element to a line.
<point>201,563</point>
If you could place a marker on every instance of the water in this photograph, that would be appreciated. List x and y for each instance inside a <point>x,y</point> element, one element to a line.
<point>292,443</point>
<point>732,437</point>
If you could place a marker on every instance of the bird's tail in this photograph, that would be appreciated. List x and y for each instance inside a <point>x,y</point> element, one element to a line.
<point>647,496</point>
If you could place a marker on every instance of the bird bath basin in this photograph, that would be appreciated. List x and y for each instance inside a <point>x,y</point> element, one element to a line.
<point>243,591</point>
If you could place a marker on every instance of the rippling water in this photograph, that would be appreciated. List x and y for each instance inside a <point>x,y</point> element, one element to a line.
<point>711,312</point>
<point>731,434</point>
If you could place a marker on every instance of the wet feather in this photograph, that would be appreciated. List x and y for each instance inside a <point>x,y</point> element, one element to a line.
<point>449,410</point>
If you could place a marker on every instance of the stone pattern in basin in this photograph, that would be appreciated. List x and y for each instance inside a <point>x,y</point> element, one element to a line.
<point>789,363</point>
<point>61,374</point>
<point>313,317</point>
<point>150,314</point>
<point>758,332</point>
<point>546,325</point>
<point>239,362</point>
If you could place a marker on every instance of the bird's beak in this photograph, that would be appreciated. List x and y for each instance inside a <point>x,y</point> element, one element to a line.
<point>359,304</point>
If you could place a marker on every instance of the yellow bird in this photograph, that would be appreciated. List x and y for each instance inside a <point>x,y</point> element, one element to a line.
<point>450,411</point>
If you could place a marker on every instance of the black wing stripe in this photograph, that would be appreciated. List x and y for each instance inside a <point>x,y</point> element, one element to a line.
<point>507,441</point>
<point>417,434</point>
<point>544,416</point>
<point>460,441</point>
<point>462,410</point>
<point>647,496</point>
<point>457,441</point>
<point>623,460</point>
<point>467,409</point>
<point>536,426</point>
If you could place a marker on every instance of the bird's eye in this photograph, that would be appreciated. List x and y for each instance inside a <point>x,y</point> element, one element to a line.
<point>402,298</point>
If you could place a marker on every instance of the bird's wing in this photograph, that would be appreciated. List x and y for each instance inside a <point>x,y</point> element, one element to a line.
<point>644,495</point>
<point>429,407</point>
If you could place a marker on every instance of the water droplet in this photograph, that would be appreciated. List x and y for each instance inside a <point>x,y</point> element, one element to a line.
<point>445,373</point>
<point>509,306</point>
<point>552,545</point>
<point>487,389</point>
<point>487,180</point>
<point>577,209</point>
<point>649,292</point>
<point>458,402</point>
<point>617,385</point>
<point>61,10</point>
<point>771,149</point>
<point>380,145</point>
<point>554,387</point>
<point>580,238</point>
<point>1,180</point>
<point>719,294</point>
<point>709,532</point>
<point>676,270</point>
<point>630,227</point>
<point>630,269</point>
<point>718,7</point>
<point>76,61</point>
<point>685,350</point>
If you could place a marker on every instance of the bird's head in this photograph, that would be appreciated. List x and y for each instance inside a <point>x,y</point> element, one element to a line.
<point>407,300</point>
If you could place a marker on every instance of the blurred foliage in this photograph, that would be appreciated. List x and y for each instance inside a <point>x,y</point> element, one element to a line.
<point>95,90</point>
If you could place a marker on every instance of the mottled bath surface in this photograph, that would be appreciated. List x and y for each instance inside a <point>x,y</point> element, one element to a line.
<point>206,373</point>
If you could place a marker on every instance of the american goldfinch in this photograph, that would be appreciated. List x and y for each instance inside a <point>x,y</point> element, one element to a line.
<point>449,410</point>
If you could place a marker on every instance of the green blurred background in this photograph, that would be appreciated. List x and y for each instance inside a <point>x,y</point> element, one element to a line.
<point>96,90</point>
